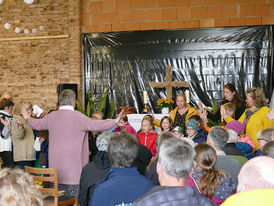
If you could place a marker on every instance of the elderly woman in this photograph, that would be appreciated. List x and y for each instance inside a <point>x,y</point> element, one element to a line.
<point>180,115</point>
<point>255,117</point>
<point>230,95</point>
<point>23,139</point>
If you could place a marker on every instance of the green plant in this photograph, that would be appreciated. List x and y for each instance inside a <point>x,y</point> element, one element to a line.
<point>210,122</point>
<point>91,106</point>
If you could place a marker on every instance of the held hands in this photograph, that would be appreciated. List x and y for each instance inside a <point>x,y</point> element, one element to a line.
<point>119,116</point>
<point>4,122</point>
<point>203,115</point>
<point>270,114</point>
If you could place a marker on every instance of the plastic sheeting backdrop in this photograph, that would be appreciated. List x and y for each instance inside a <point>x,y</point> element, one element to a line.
<point>126,62</point>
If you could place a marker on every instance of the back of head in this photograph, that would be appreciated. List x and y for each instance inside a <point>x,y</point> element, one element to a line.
<point>218,136</point>
<point>123,150</point>
<point>18,188</point>
<point>268,149</point>
<point>162,137</point>
<point>233,136</point>
<point>229,107</point>
<point>102,140</point>
<point>6,103</point>
<point>66,97</point>
<point>265,134</point>
<point>176,158</point>
<point>257,173</point>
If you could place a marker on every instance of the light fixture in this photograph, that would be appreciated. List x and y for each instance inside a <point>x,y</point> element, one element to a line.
<point>28,1</point>
<point>17,30</point>
<point>26,31</point>
<point>7,26</point>
<point>41,28</point>
<point>34,31</point>
<point>1,1</point>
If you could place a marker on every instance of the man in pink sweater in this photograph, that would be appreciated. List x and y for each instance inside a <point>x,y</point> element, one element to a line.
<point>68,139</point>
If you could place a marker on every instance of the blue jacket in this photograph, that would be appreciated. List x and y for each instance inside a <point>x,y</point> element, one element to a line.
<point>121,185</point>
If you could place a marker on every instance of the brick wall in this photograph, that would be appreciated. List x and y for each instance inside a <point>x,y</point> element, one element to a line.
<point>32,69</point>
<point>125,15</point>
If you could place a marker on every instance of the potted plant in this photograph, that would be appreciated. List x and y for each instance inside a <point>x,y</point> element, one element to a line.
<point>165,104</point>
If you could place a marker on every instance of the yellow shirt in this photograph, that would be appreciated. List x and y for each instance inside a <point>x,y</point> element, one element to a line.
<point>257,122</point>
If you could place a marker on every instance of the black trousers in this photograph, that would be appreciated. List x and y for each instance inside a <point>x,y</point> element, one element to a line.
<point>7,157</point>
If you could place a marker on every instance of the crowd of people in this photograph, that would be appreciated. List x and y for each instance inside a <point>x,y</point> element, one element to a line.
<point>181,159</point>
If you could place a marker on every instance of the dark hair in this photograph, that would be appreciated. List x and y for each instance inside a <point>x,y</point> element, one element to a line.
<point>123,150</point>
<point>268,149</point>
<point>206,159</point>
<point>6,103</point>
<point>237,100</point>
<point>170,123</point>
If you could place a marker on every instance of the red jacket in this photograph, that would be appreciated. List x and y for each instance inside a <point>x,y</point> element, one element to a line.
<point>149,140</point>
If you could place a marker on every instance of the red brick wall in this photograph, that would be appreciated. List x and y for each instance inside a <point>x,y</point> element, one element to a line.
<point>125,15</point>
<point>32,69</point>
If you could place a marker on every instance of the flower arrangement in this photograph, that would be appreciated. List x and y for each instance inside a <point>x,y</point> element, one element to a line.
<point>162,103</point>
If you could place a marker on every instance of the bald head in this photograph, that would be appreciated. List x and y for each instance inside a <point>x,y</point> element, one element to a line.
<point>257,173</point>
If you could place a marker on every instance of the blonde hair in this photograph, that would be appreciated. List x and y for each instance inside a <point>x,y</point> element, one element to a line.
<point>18,188</point>
<point>230,107</point>
<point>181,95</point>
<point>258,96</point>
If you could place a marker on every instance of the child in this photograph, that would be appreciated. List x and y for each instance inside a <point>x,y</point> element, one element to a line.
<point>123,125</point>
<point>146,136</point>
<point>201,128</point>
<point>165,125</point>
<point>192,132</point>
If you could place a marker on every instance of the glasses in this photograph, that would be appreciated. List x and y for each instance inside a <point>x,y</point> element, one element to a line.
<point>262,140</point>
<point>11,107</point>
<point>189,128</point>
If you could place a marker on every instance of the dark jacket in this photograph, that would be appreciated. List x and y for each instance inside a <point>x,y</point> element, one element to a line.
<point>200,137</point>
<point>151,173</point>
<point>92,173</point>
<point>231,149</point>
<point>120,186</point>
<point>171,196</point>
<point>217,116</point>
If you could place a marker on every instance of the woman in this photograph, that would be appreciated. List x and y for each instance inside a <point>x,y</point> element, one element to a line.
<point>215,184</point>
<point>255,117</point>
<point>230,95</point>
<point>180,115</point>
<point>23,139</point>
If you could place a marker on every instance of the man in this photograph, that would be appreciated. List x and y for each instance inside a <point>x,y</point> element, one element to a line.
<point>217,138</point>
<point>256,183</point>
<point>174,167</point>
<point>123,184</point>
<point>268,149</point>
<point>264,136</point>
<point>68,140</point>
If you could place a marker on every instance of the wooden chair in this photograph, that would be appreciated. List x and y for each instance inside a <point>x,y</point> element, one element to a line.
<point>52,197</point>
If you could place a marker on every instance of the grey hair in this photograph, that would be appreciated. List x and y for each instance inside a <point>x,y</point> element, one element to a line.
<point>233,136</point>
<point>176,157</point>
<point>268,149</point>
<point>123,149</point>
<point>219,136</point>
<point>265,134</point>
<point>162,137</point>
<point>103,139</point>
<point>66,96</point>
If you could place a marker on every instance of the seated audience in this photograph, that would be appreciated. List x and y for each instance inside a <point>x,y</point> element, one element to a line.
<point>217,138</point>
<point>215,184</point>
<point>146,135</point>
<point>151,172</point>
<point>192,132</point>
<point>268,149</point>
<point>230,147</point>
<point>23,140</point>
<point>18,188</point>
<point>264,136</point>
<point>174,167</point>
<point>143,159</point>
<point>246,146</point>
<point>201,128</point>
<point>6,108</point>
<point>96,169</point>
<point>123,125</point>
<point>123,184</point>
<point>256,183</point>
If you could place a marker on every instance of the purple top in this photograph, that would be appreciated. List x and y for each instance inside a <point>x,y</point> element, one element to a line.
<point>68,141</point>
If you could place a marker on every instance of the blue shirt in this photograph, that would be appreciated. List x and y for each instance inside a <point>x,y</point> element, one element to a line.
<point>121,185</point>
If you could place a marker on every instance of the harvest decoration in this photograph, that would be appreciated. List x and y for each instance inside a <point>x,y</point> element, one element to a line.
<point>165,102</point>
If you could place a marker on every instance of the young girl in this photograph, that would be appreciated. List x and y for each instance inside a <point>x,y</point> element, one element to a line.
<point>146,136</point>
<point>192,132</point>
<point>165,125</point>
<point>123,125</point>
<point>215,184</point>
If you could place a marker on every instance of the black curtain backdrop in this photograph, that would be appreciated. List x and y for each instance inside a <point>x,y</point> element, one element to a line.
<point>126,62</point>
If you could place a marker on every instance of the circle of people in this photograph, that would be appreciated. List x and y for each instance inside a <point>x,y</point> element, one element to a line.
<point>184,160</point>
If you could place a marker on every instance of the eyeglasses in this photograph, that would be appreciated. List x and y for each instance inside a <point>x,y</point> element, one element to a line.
<point>189,128</point>
<point>262,140</point>
<point>11,107</point>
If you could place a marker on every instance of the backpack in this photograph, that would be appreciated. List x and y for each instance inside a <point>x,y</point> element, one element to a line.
<point>3,116</point>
